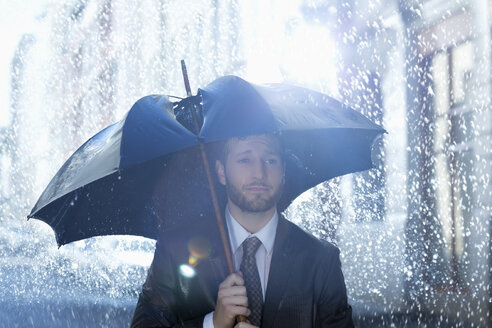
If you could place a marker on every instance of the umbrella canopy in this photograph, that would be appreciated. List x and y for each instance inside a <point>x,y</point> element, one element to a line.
<point>144,173</point>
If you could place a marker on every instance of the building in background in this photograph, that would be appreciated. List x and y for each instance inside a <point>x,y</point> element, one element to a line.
<point>449,157</point>
<point>430,59</point>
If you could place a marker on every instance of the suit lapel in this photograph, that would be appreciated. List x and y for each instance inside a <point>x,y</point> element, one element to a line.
<point>215,267</point>
<point>218,265</point>
<point>279,272</point>
<point>218,259</point>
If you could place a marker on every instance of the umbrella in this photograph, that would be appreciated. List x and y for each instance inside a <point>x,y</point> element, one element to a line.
<point>143,174</point>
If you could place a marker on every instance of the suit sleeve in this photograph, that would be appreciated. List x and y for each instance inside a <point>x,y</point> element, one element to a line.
<point>333,308</point>
<point>159,300</point>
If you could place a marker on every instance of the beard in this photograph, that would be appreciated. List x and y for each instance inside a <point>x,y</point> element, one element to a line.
<point>256,204</point>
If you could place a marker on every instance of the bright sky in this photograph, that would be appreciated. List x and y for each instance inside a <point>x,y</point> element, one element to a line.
<point>16,18</point>
<point>286,48</point>
<point>314,67</point>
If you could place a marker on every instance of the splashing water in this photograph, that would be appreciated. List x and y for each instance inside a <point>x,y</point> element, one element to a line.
<point>414,232</point>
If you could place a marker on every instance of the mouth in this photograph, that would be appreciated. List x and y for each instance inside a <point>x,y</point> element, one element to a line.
<point>257,189</point>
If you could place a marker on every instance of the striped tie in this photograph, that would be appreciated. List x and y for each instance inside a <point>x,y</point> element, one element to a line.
<point>252,279</point>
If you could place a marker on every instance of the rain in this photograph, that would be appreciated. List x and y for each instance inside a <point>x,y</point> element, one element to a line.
<point>414,232</point>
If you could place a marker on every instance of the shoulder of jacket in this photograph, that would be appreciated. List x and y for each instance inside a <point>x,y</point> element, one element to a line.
<point>310,242</point>
<point>179,237</point>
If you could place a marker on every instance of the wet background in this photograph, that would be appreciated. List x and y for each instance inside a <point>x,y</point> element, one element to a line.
<point>414,233</point>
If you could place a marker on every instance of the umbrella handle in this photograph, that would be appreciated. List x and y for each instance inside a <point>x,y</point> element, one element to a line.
<point>218,212</point>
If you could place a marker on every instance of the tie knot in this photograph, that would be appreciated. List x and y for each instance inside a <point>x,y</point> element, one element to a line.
<point>250,246</point>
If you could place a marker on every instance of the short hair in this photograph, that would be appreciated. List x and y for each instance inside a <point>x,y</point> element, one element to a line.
<point>221,149</point>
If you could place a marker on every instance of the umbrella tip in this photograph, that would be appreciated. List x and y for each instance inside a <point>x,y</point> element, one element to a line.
<point>185,78</point>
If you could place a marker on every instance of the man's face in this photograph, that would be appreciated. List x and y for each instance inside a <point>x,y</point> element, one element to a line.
<point>252,173</point>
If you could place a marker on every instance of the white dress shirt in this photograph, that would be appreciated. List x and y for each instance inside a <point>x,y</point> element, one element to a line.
<point>237,234</point>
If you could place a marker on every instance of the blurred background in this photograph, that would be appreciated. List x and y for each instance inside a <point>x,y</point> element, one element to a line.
<point>414,232</point>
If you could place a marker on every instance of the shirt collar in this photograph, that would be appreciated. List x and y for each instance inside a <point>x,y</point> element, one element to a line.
<point>238,234</point>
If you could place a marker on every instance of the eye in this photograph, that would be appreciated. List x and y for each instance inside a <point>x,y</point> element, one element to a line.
<point>243,160</point>
<point>271,161</point>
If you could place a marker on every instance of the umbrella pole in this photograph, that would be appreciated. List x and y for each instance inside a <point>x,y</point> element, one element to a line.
<point>218,211</point>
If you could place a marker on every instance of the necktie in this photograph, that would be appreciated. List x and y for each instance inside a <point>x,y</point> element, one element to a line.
<point>252,279</point>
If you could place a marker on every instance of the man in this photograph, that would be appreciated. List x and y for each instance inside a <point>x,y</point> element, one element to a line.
<point>285,278</point>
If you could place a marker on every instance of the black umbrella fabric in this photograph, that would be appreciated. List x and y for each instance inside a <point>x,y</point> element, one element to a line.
<point>144,174</point>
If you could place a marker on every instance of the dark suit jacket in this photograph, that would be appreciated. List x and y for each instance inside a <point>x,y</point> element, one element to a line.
<point>305,284</point>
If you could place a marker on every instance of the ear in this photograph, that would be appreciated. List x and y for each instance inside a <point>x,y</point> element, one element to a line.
<point>220,170</point>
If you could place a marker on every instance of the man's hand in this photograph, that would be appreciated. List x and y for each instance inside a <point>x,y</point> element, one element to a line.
<point>231,301</point>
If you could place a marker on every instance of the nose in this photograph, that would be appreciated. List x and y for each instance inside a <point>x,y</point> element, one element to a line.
<point>259,170</point>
